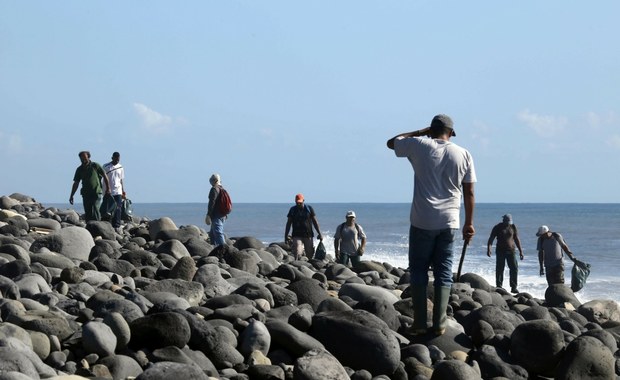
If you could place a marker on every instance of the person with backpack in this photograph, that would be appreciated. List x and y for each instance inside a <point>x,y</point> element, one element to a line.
<point>550,246</point>
<point>302,218</point>
<point>506,251</point>
<point>218,209</point>
<point>349,241</point>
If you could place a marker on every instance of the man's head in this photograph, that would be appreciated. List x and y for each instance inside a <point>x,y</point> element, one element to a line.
<point>507,219</point>
<point>215,179</point>
<point>542,230</point>
<point>350,216</point>
<point>116,157</point>
<point>441,125</point>
<point>299,200</point>
<point>84,157</point>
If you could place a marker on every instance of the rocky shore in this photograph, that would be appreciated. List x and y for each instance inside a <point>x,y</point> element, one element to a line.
<point>156,301</point>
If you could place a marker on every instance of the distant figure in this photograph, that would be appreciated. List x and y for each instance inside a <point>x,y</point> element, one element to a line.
<point>302,218</point>
<point>214,217</point>
<point>90,174</point>
<point>116,174</point>
<point>550,246</point>
<point>506,251</point>
<point>444,172</point>
<point>349,241</point>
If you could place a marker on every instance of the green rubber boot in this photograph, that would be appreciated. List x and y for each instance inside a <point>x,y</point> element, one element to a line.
<point>440,304</point>
<point>420,303</point>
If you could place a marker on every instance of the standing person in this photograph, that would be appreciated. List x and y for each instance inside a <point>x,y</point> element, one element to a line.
<point>444,173</point>
<point>116,174</point>
<point>214,217</point>
<point>90,174</point>
<point>302,217</point>
<point>550,246</point>
<point>505,251</point>
<point>349,241</point>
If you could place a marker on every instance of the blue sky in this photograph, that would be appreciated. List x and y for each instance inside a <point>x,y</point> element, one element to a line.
<point>283,97</point>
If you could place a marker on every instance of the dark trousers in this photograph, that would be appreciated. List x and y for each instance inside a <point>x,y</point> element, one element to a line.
<point>116,220</point>
<point>555,275</point>
<point>92,202</point>
<point>504,257</point>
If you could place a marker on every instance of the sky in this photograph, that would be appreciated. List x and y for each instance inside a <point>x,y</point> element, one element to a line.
<point>283,97</point>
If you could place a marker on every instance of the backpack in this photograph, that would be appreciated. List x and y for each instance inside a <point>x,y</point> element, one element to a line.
<point>340,227</point>
<point>223,203</point>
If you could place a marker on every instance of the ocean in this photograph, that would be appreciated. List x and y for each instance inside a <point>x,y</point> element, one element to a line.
<point>592,232</point>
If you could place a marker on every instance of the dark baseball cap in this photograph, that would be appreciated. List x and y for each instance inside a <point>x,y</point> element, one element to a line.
<point>442,121</point>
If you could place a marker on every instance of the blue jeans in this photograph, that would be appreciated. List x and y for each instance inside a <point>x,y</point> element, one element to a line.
<point>217,231</point>
<point>116,220</point>
<point>344,259</point>
<point>434,247</point>
<point>509,257</point>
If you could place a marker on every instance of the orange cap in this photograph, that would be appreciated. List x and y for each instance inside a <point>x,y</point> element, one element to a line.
<point>299,198</point>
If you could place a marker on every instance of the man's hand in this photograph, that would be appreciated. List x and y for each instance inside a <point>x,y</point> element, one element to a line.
<point>71,199</point>
<point>207,220</point>
<point>489,252</point>
<point>320,237</point>
<point>542,272</point>
<point>521,255</point>
<point>468,232</point>
<point>360,251</point>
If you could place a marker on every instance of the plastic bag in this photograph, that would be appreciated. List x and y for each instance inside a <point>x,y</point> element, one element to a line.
<point>108,207</point>
<point>320,253</point>
<point>579,275</point>
<point>126,210</point>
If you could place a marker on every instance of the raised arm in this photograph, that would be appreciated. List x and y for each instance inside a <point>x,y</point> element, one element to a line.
<point>418,133</point>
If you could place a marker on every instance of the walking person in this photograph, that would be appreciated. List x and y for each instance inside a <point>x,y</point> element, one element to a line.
<point>444,173</point>
<point>302,218</point>
<point>506,251</point>
<point>89,173</point>
<point>550,246</point>
<point>349,241</point>
<point>116,174</point>
<point>214,216</point>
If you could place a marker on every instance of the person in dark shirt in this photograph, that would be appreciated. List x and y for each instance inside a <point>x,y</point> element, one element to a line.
<point>90,174</point>
<point>506,251</point>
<point>301,217</point>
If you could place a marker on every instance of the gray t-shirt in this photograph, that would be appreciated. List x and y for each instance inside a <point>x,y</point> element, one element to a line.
<point>440,168</point>
<point>349,238</point>
<point>552,248</point>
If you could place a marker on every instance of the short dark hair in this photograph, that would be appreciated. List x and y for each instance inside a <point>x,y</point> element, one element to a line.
<point>116,154</point>
<point>84,151</point>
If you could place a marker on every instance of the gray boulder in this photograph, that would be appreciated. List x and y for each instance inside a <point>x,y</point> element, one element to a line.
<point>537,346</point>
<point>159,330</point>
<point>586,358</point>
<point>559,294</point>
<point>361,292</point>
<point>377,348</point>
<point>209,275</point>
<point>318,364</point>
<point>72,242</point>
<point>600,311</point>
<point>161,224</point>
<point>309,291</point>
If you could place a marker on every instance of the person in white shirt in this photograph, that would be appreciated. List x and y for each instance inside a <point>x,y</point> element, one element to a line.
<point>444,174</point>
<point>116,174</point>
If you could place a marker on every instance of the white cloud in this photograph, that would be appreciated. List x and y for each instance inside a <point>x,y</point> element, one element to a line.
<point>596,120</point>
<point>614,142</point>
<point>543,125</point>
<point>10,143</point>
<point>152,120</point>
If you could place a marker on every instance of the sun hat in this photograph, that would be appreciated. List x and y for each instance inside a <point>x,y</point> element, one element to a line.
<point>350,214</point>
<point>442,121</point>
<point>507,218</point>
<point>299,198</point>
<point>542,230</point>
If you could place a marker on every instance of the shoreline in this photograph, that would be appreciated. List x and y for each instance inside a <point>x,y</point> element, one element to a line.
<point>82,299</point>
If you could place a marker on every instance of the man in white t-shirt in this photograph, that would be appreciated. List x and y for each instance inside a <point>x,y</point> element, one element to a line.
<point>349,241</point>
<point>116,174</point>
<point>444,173</point>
